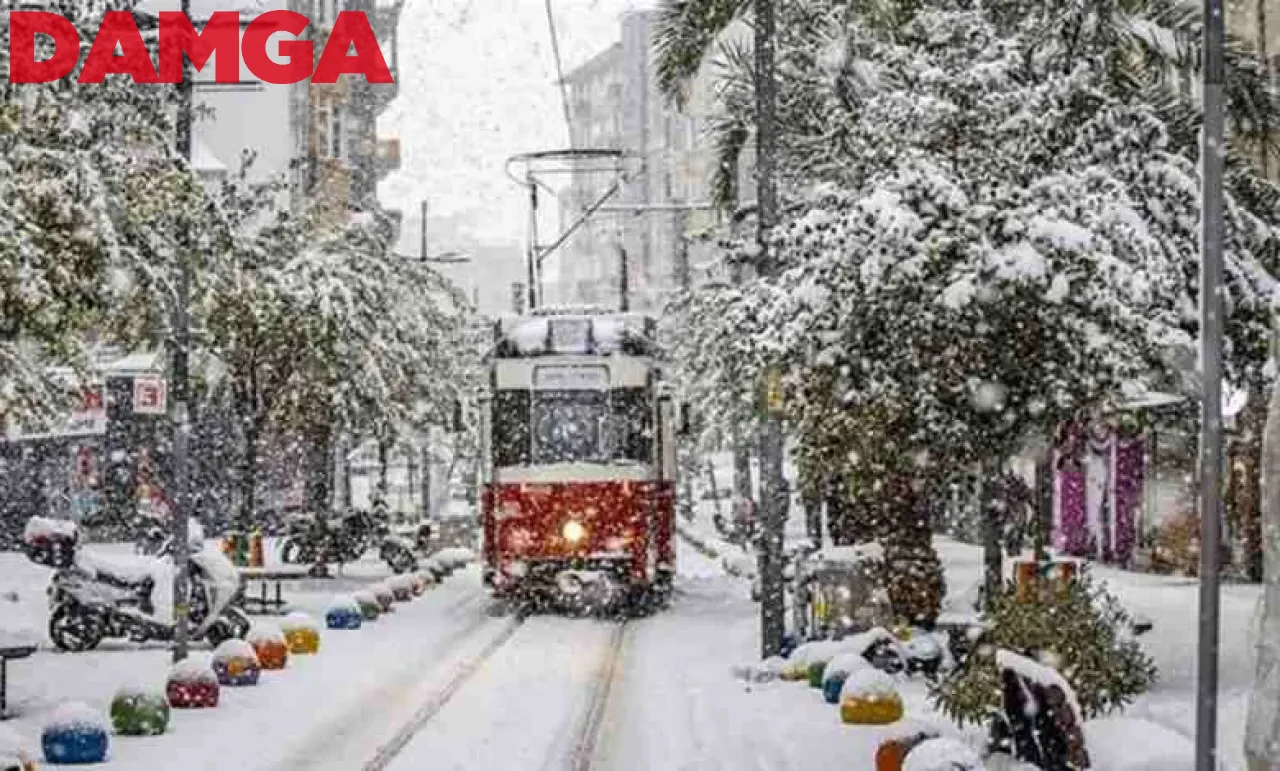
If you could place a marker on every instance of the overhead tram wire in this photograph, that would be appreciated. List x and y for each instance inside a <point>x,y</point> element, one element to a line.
<point>555,51</point>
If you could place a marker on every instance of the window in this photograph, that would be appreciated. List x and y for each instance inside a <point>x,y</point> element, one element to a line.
<point>568,426</point>
<point>511,428</point>
<point>327,12</point>
<point>330,131</point>
<point>632,426</point>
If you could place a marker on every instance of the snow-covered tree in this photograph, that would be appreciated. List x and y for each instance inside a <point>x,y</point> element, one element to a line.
<point>70,155</point>
<point>995,244</point>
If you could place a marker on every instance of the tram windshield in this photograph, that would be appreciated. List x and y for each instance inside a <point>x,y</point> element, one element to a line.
<point>572,426</point>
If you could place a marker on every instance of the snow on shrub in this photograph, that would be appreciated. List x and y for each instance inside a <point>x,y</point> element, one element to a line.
<point>943,755</point>
<point>869,684</point>
<point>1081,631</point>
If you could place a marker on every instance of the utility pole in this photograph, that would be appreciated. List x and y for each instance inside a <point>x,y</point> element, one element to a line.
<point>772,602</point>
<point>1212,152</point>
<point>422,233</point>
<point>181,388</point>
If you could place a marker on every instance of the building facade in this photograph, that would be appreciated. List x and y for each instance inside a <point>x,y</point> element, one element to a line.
<point>648,228</point>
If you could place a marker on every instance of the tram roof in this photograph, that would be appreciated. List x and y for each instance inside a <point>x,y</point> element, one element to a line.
<point>575,332</point>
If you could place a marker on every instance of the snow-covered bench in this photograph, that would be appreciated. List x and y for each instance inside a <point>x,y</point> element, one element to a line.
<point>264,603</point>
<point>10,649</point>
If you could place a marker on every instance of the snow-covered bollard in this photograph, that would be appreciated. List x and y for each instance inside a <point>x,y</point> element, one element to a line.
<point>870,697</point>
<point>837,671</point>
<point>942,755</point>
<point>301,634</point>
<point>385,597</point>
<point>401,587</point>
<point>819,655</point>
<point>894,749</point>
<point>437,568</point>
<point>140,711</point>
<point>74,735</point>
<point>15,753</point>
<point>343,613</point>
<point>797,667</point>
<point>192,684</point>
<point>269,644</point>
<point>369,606</point>
<point>235,664</point>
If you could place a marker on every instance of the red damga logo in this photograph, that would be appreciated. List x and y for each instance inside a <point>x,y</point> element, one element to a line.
<point>178,37</point>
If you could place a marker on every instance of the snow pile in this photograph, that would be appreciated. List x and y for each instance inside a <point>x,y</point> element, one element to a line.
<point>869,685</point>
<point>13,748</point>
<point>863,642</point>
<point>1040,674</point>
<point>844,664</point>
<point>456,556</point>
<point>77,717</point>
<point>1126,744</point>
<point>264,632</point>
<point>298,620</point>
<point>14,634</point>
<point>191,671</point>
<point>234,649</point>
<point>763,672</point>
<point>365,598</point>
<point>942,755</point>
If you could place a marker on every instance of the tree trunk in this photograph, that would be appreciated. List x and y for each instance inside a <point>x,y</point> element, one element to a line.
<point>319,467</point>
<point>249,476</point>
<point>1262,734</point>
<point>743,486</point>
<point>992,521</point>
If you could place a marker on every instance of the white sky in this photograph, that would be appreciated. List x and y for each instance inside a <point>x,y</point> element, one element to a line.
<point>477,85</point>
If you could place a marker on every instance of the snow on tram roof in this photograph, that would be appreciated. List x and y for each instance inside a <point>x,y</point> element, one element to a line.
<point>552,333</point>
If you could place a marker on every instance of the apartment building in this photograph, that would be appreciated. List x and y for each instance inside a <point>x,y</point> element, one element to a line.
<point>615,104</point>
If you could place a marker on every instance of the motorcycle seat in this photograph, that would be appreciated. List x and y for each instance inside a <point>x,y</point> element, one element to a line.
<point>121,576</point>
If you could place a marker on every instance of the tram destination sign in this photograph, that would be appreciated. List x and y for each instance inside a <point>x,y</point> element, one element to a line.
<point>571,378</point>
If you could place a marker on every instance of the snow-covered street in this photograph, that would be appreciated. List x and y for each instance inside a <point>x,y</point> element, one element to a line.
<point>444,683</point>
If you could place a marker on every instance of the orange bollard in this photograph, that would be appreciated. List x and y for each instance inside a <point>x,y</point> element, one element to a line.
<point>255,549</point>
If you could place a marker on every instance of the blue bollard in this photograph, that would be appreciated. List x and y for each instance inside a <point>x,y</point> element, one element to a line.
<point>74,746</point>
<point>831,688</point>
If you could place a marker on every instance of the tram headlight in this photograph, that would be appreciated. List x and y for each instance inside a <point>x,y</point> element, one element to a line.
<point>573,531</point>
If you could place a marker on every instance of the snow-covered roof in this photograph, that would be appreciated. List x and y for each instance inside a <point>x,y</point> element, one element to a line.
<point>142,362</point>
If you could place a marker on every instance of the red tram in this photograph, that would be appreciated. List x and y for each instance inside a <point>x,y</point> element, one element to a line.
<point>578,462</point>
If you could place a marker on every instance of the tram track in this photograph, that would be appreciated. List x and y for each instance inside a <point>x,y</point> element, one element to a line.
<point>576,741</point>
<point>586,739</point>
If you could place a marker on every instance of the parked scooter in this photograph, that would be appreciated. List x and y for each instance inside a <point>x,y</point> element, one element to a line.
<point>90,602</point>
<point>345,538</point>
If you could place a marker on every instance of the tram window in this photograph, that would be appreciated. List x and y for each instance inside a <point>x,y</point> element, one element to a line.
<point>567,426</point>
<point>632,424</point>
<point>511,428</point>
